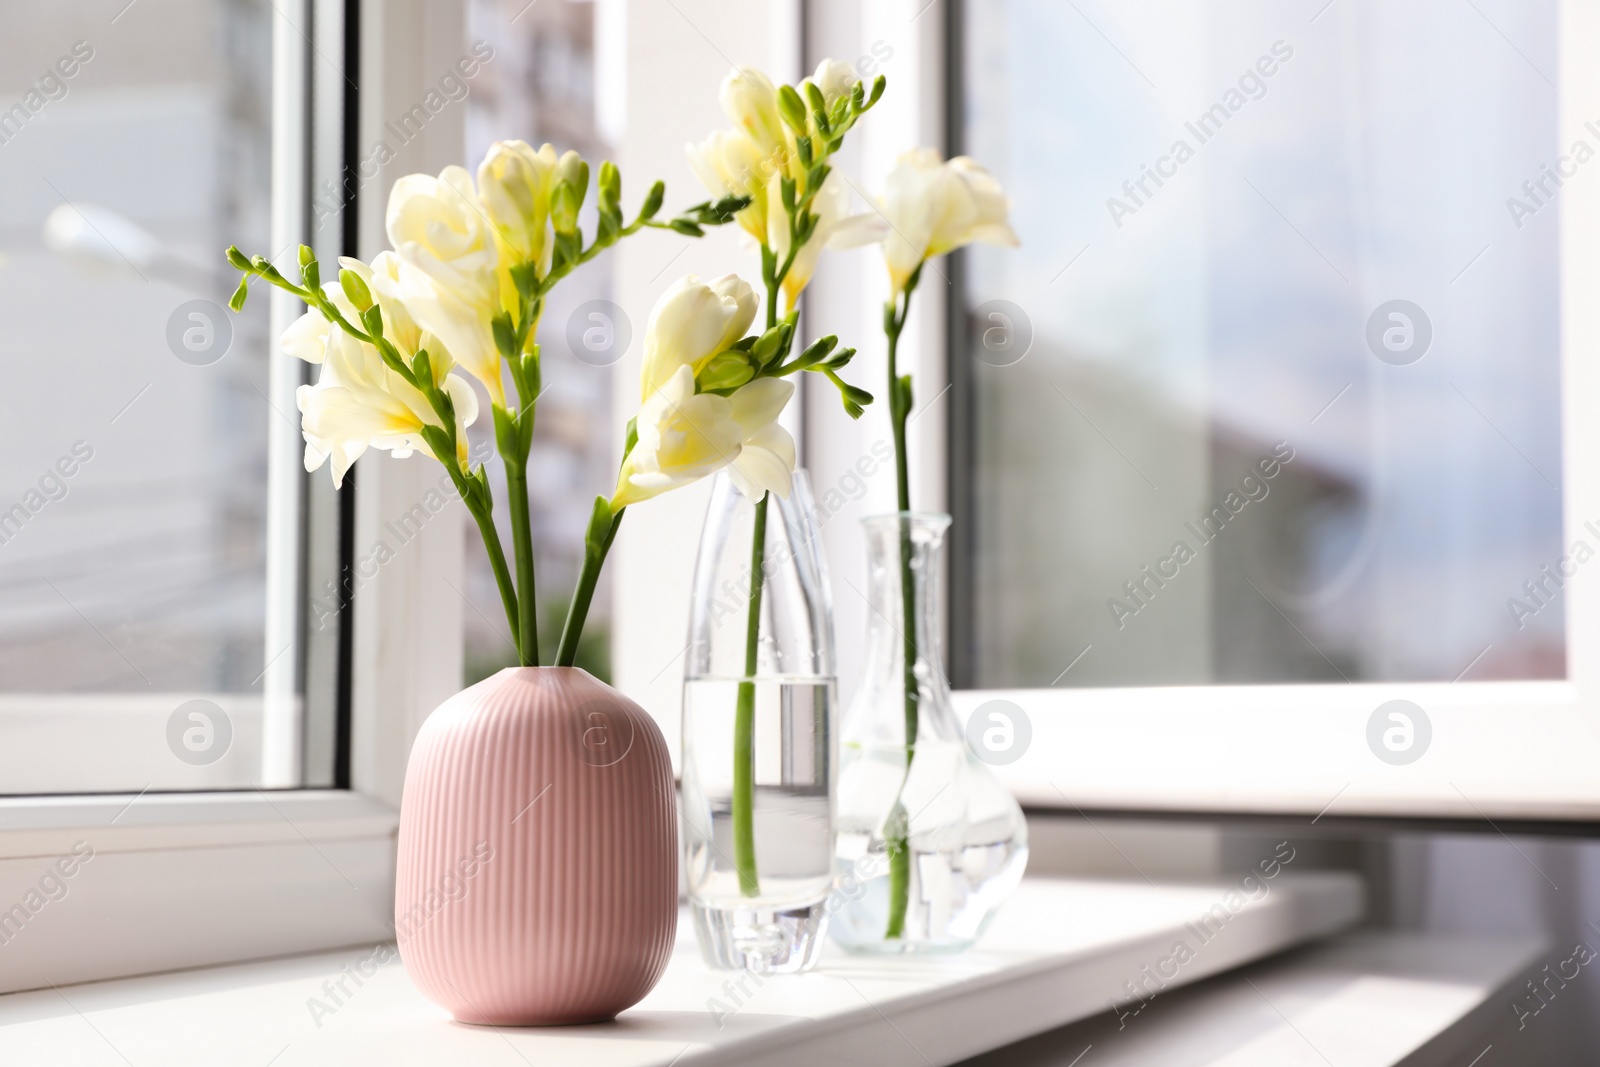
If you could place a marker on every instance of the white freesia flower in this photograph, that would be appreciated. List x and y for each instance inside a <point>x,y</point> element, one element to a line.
<point>749,159</point>
<point>383,281</point>
<point>684,436</point>
<point>730,163</point>
<point>307,337</point>
<point>934,207</point>
<point>514,184</point>
<point>448,276</point>
<point>836,228</point>
<point>766,458</point>
<point>360,403</point>
<point>750,101</point>
<point>690,323</point>
<point>754,157</point>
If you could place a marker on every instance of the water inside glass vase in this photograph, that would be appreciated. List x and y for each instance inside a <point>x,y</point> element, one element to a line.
<point>929,843</point>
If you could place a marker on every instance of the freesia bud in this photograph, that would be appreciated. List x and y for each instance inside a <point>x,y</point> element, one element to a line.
<point>692,322</point>
<point>767,345</point>
<point>515,184</point>
<point>355,290</point>
<point>792,109</point>
<point>307,256</point>
<point>571,186</point>
<point>610,187</point>
<point>835,81</point>
<point>652,201</point>
<point>727,370</point>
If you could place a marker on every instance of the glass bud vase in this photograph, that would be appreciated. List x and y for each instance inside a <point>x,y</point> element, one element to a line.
<point>929,842</point>
<point>759,748</point>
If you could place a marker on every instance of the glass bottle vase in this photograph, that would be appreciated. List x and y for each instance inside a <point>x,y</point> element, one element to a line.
<point>929,842</point>
<point>759,746</point>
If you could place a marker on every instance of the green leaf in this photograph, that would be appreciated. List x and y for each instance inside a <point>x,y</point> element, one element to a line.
<point>505,335</point>
<point>532,374</point>
<point>505,434</point>
<point>439,443</point>
<point>722,211</point>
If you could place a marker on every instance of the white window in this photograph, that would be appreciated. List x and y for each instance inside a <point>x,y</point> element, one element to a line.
<point>1193,317</point>
<point>192,718</point>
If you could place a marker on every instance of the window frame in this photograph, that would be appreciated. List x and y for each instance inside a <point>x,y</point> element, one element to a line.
<point>1499,750</point>
<point>190,879</point>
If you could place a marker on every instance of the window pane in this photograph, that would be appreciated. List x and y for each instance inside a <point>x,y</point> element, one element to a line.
<point>134,147</point>
<point>1291,407</point>
<point>539,87</point>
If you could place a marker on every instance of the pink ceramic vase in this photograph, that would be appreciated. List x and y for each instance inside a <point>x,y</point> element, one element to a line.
<point>538,857</point>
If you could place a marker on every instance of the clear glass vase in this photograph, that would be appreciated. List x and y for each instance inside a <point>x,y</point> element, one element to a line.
<point>759,748</point>
<point>930,842</point>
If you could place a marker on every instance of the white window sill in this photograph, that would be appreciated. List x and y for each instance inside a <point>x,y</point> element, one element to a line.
<point>187,880</point>
<point>1058,953</point>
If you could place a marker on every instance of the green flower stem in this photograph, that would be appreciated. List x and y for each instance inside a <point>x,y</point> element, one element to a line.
<point>497,562</point>
<point>898,826</point>
<point>744,714</point>
<point>522,545</point>
<point>514,436</point>
<point>744,719</point>
<point>602,531</point>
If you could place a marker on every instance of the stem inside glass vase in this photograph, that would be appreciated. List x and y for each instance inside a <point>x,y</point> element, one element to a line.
<point>897,831</point>
<point>744,719</point>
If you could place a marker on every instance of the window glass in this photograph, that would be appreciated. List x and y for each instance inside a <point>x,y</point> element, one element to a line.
<point>540,86</point>
<point>134,147</point>
<point>1270,393</point>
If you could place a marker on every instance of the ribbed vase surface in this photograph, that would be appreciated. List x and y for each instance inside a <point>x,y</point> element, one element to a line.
<point>538,856</point>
